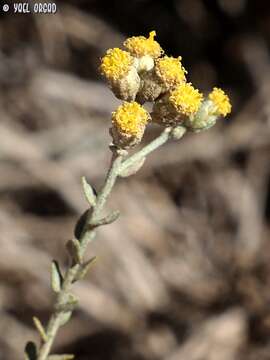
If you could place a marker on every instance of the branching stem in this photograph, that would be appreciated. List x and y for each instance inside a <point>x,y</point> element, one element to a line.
<point>63,305</point>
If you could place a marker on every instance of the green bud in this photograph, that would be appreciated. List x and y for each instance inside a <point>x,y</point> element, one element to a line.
<point>203,119</point>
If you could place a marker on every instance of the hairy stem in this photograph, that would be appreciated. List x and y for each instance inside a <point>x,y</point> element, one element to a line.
<point>57,318</point>
<point>63,305</point>
<point>153,145</point>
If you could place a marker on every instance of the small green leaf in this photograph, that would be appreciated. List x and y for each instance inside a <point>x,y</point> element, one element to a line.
<point>84,268</point>
<point>65,317</point>
<point>79,227</point>
<point>89,192</point>
<point>106,220</point>
<point>74,250</point>
<point>30,351</point>
<point>56,277</point>
<point>132,169</point>
<point>40,329</point>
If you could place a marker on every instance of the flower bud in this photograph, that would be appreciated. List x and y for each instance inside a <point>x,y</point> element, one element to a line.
<point>118,67</point>
<point>202,119</point>
<point>128,124</point>
<point>145,63</point>
<point>218,104</point>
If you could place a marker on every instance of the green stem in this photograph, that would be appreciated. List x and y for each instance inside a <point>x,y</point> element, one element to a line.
<point>62,307</point>
<point>87,235</point>
<point>52,329</point>
<point>107,188</point>
<point>160,140</point>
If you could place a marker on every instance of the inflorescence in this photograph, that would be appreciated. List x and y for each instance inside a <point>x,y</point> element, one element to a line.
<point>142,73</point>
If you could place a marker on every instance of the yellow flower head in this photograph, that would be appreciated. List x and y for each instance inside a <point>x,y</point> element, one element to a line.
<point>221,101</point>
<point>170,70</point>
<point>186,99</point>
<point>115,64</point>
<point>130,118</point>
<point>140,46</point>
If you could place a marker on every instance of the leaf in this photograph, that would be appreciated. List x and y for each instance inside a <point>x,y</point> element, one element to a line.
<point>81,224</point>
<point>84,268</point>
<point>30,351</point>
<point>40,329</point>
<point>74,250</point>
<point>132,169</point>
<point>65,318</point>
<point>56,277</point>
<point>107,219</point>
<point>89,192</point>
<point>61,357</point>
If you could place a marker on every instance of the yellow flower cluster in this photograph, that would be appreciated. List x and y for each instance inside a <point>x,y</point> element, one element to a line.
<point>140,46</point>
<point>115,64</point>
<point>129,118</point>
<point>170,70</point>
<point>142,73</point>
<point>186,99</point>
<point>221,101</point>
<point>128,124</point>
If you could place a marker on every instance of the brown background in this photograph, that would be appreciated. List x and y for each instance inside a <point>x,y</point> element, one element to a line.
<point>184,273</point>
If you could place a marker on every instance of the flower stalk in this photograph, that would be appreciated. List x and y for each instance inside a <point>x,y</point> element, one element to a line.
<point>66,301</point>
<point>137,75</point>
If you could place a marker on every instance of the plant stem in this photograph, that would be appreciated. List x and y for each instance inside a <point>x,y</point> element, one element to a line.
<point>108,185</point>
<point>153,145</point>
<point>56,319</point>
<point>63,307</point>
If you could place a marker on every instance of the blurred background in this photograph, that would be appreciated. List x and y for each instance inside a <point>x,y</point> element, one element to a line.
<point>185,272</point>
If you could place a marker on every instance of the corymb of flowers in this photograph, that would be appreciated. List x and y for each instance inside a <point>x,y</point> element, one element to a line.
<point>141,72</point>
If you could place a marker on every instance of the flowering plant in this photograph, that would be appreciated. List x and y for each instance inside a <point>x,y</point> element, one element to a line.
<point>136,75</point>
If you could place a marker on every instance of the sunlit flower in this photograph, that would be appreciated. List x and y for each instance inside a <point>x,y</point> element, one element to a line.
<point>221,102</point>
<point>170,71</point>
<point>186,99</point>
<point>118,68</point>
<point>176,106</point>
<point>128,124</point>
<point>116,64</point>
<point>140,46</point>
